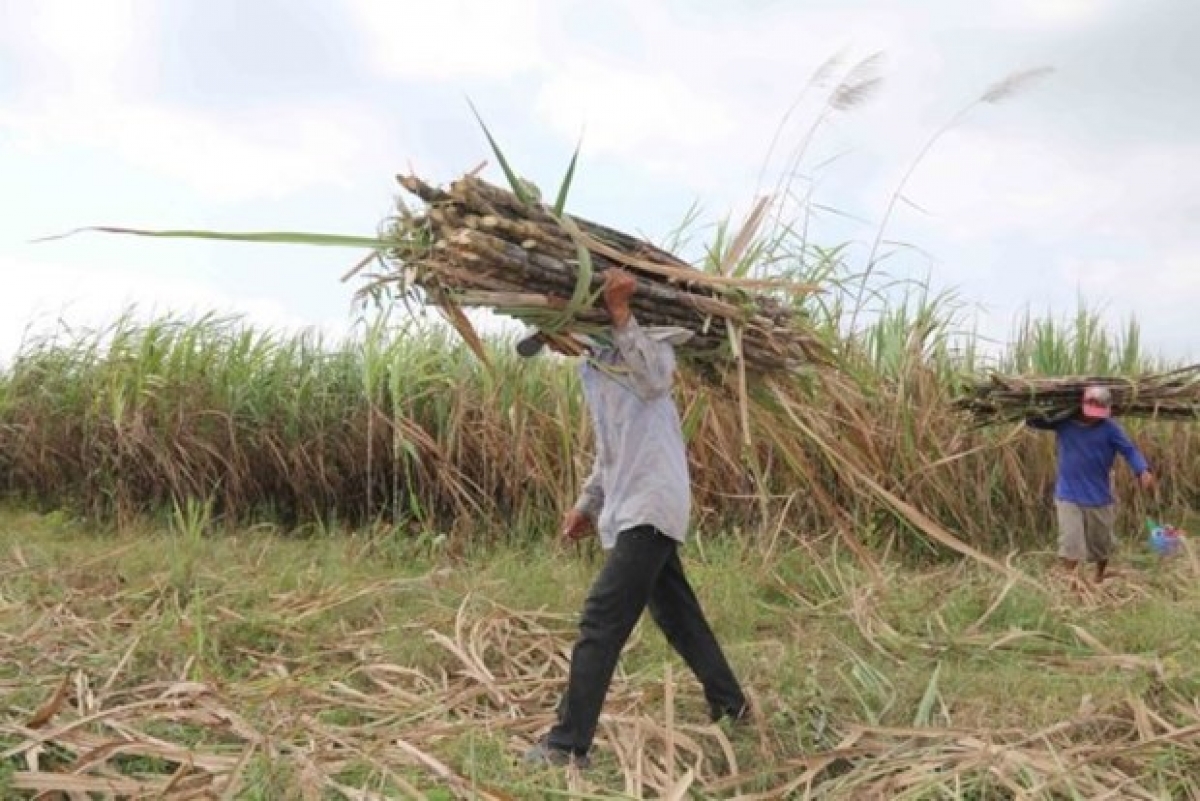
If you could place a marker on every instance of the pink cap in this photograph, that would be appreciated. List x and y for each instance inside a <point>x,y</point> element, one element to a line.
<point>1097,402</point>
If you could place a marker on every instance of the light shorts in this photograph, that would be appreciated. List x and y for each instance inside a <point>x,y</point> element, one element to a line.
<point>1085,532</point>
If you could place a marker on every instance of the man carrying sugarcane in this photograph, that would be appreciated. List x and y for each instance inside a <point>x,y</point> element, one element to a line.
<point>1088,442</point>
<point>639,498</point>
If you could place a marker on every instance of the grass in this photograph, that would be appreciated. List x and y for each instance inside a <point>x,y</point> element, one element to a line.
<point>369,665</point>
<point>401,427</point>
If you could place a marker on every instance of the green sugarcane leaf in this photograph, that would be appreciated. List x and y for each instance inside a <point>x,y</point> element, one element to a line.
<point>582,298</point>
<point>270,237</point>
<point>560,202</point>
<point>514,180</point>
<point>925,709</point>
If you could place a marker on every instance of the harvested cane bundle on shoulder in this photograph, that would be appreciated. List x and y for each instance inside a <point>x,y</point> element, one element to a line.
<point>1173,395</point>
<point>478,245</point>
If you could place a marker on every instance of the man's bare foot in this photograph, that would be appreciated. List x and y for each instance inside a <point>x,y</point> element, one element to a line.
<point>1067,565</point>
<point>1072,580</point>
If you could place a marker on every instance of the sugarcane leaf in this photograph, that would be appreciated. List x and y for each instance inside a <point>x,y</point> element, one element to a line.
<point>514,181</point>
<point>270,237</point>
<point>560,202</point>
<point>925,709</point>
<point>362,263</point>
<point>582,297</point>
<point>462,324</point>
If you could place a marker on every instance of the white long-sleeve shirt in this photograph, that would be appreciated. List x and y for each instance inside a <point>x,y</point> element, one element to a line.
<point>640,474</point>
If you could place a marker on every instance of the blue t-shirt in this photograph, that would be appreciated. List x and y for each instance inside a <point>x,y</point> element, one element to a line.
<point>1085,459</point>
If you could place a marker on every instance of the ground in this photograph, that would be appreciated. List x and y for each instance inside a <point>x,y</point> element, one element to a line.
<point>167,660</point>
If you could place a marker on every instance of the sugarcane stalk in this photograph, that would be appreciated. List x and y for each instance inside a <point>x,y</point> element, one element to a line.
<point>480,244</point>
<point>1173,395</point>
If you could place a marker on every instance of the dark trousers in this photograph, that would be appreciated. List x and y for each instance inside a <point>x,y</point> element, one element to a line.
<point>643,569</point>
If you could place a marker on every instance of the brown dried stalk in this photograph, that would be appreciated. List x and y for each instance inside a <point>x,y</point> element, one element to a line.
<point>478,244</point>
<point>1174,395</point>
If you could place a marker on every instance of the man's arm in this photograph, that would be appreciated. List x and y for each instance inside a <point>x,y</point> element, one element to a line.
<point>591,497</point>
<point>651,364</point>
<point>1124,445</point>
<point>580,520</point>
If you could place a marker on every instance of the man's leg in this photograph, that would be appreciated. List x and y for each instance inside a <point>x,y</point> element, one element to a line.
<point>613,606</point>
<point>1072,548</point>
<point>1099,523</point>
<point>677,612</point>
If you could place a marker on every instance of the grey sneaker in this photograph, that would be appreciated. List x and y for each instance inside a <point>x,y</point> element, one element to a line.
<point>546,755</point>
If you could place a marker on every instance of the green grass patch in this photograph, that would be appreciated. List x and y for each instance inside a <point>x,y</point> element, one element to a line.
<point>321,654</point>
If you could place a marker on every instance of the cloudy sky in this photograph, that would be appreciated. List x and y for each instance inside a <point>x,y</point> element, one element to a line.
<point>297,114</point>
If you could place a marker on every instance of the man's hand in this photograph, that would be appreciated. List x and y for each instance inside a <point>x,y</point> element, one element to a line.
<point>1146,480</point>
<point>576,525</point>
<point>619,287</point>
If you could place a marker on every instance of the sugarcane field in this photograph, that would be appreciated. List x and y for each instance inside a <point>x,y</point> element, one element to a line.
<point>539,400</point>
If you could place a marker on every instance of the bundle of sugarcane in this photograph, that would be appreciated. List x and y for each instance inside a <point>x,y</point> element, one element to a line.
<point>1173,395</point>
<point>478,245</point>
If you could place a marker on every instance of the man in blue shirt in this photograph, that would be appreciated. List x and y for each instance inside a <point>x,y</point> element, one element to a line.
<point>1087,445</point>
<point>638,498</point>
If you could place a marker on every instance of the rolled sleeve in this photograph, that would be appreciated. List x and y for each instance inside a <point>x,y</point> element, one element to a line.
<point>651,364</point>
<point>591,497</point>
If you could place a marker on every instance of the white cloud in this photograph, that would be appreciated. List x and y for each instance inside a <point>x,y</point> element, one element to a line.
<point>263,154</point>
<point>446,40</point>
<point>1154,282</point>
<point>980,183</point>
<point>976,184</point>
<point>629,111</point>
<point>89,49</point>
<point>82,66</point>
<point>698,97</point>
<point>1158,287</point>
<point>1054,13</point>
